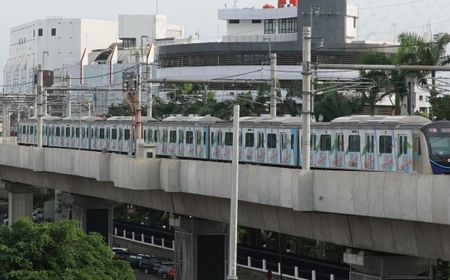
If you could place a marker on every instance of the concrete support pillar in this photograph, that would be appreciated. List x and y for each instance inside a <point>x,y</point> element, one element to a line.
<point>93,214</point>
<point>200,249</point>
<point>20,201</point>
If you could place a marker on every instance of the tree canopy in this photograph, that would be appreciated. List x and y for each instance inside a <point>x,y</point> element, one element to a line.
<point>56,251</point>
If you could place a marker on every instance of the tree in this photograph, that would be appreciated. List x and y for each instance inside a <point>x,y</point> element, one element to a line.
<point>56,251</point>
<point>415,50</point>
<point>334,104</point>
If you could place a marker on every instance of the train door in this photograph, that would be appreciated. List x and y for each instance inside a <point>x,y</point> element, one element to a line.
<point>261,145</point>
<point>338,151</point>
<point>248,150</point>
<point>67,136</point>
<point>313,148</point>
<point>164,141</point>
<point>58,135</point>
<point>353,157</point>
<point>287,137</point>
<point>173,141</point>
<point>190,145</point>
<point>324,149</point>
<point>31,137</point>
<point>200,142</point>
<point>127,143</point>
<point>404,151</point>
<point>214,143</point>
<point>227,148</point>
<point>157,140</point>
<point>273,146</point>
<point>386,151</point>
<point>369,154</point>
<point>417,153</point>
<point>181,146</point>
<point>114,139</point>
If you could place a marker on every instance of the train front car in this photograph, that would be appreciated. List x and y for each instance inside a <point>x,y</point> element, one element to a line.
<point>437,135</point>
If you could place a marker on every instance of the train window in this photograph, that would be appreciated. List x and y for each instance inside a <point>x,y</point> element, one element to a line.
<point>249,140</point>
<point>313,142</point>
<point>31,130</point>
<point>189,137</point>
<point>181,137</point>
<point>67,131</point>
<point>385,144</point>
<point>198,137</point>
<point>164,136</point>
<point>150,135</point>
<point>102,133</point>
<point>77,132</point>
<point>260,140</point>
<point>173,136</point>
<point>127,134</point>
<point>340,142</point>
<point>370,143</point>
<point>271,140</point>
<point>284,141</point>
<point>204,138</point>
<point>212,139</point>
<point>402,145</point>
<point>157,135</point>
<point>108,133</point>
<point>114,134</point>
<point>228,138</point>
<point>325,143</point>
<point>219,138</point>
<point>354,143</point>
<point>58,131</point>
<point>24,129</point>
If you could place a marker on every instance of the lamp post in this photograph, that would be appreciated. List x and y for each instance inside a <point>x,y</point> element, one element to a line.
<point>273,78</point>
<point>232,254</point>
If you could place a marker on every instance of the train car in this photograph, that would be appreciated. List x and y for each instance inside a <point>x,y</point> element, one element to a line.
<point>186,137</point>
<point>362,143</point>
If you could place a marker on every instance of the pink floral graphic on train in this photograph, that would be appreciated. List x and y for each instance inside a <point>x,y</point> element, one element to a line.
<point>370,162</point>
<point>191,150</point>
<point>406,164</point>
<point>216,152</point>
<point>338,161</point>
<point>387,164</point>
<point>182,149</point>
<point>286,157</point>
<point>164,149</point>
<point>354,161</point>
<point>249,155</point>
<point>172,149</point>
<point>200,150</point>
<point>273,156</point>
<point>322,161</point>
<point>227,153</point>
<point>261,155</point>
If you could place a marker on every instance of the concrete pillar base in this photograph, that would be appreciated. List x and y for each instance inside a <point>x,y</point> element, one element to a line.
<point>20,201</point>
<point>200,249</point>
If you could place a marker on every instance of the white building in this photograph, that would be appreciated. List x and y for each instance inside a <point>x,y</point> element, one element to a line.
<point>53,43</point>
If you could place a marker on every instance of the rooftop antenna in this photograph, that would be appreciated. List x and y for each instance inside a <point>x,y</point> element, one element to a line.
<point>235,1</point>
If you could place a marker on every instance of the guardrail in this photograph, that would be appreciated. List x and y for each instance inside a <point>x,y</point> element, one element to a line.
<point>250,264</point>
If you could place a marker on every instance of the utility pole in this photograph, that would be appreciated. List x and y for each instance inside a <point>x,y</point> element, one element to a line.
<point>138,129</point>
<point>149,73</point>
<point>306,115</point>
<point>40,109</point>
<point>5,120</point>
<point>35,93</point>
<point>273,89</point>
<point>69,96</point>
<point>232,254</point>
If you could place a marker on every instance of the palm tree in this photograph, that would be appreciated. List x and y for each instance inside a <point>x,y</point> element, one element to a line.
<point>415,50</point>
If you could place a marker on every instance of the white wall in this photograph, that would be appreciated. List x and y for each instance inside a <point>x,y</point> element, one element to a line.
<point>245,27</point>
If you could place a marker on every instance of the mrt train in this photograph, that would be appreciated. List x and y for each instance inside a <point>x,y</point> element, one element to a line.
<point>410,144</point>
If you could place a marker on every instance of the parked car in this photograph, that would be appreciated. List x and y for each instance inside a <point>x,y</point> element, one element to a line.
<point>148,264</point>
<point>164,269</point>
<point>135,260</point>
<point>121,253</point>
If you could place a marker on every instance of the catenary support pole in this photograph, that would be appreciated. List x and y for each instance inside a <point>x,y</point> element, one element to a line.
<point>138,129</point>
<point>232,254</point>
<point>306,114</point>
<point>273,88</point>
<point>69,96</point>
<point>40,109</point>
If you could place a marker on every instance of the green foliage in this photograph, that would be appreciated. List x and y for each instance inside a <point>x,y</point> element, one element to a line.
<point>441,107</point>
<point>56,251</point>
<point>333,105</point>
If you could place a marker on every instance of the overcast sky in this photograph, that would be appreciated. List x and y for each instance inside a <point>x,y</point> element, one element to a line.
<point>378,19</point>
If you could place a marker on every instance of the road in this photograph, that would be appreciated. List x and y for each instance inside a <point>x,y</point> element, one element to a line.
<point>142,276</point>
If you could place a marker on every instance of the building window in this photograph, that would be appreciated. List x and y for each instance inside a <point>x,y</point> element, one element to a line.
<point>269,26</point>
<point>256,21</point>
<point>421,98</point>
<point>287,25</point>
<point>53,31</point>
<point>354,22</point>
<point>129,43</point>
<point>40,32</point>
<point>234,21</point>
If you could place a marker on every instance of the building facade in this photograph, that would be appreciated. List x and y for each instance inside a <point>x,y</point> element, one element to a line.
<point>53,43</point>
